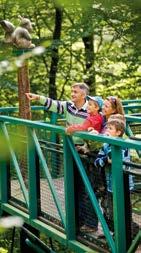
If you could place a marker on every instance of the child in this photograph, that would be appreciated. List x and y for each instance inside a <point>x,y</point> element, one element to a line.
<point>94,119</point>
<point>88,220</point>
<point>115,128</point>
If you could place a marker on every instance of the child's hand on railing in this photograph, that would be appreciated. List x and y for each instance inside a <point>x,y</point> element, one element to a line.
<point>92,130</point>
<point>69,130</point>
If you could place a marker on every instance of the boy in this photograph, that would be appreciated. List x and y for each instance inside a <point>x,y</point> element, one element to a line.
<point>94,119</point>
<point>115,128</point>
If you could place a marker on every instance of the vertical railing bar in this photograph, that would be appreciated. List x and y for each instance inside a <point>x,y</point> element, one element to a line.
<point>118,194</point>
<point>15,163</point>
<point>48,176</point>
<point>92,195</point>
<point>69,191</point>
<point>33,173</point>
<point>3,182</point>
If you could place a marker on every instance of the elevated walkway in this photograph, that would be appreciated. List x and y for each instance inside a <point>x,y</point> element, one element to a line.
<point>38,181</point>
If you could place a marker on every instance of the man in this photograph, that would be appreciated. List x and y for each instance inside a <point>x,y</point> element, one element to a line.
<point>75,112</point>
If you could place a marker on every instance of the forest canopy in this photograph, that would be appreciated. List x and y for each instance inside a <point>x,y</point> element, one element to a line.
<point>98,42</point>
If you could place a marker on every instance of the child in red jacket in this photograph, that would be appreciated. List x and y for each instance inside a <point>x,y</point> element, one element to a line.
<point>94,119</point>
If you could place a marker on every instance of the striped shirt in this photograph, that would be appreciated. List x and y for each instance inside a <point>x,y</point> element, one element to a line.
<point>72,114</point>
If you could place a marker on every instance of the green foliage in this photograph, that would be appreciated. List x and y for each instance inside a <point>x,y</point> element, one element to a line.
<point>5,233</point>
<point>5,241</point>
<point>2,250</point>
<point>115,27</point>
<point>74,3</point>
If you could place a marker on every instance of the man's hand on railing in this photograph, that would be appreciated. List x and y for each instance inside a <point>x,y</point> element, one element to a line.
<point>32,96</point>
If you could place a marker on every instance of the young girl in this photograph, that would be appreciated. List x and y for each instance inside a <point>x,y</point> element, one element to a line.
<point>94,119</point>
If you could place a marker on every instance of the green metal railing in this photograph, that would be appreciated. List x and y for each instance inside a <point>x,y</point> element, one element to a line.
<point>132,106</point>
<point>68,236</point>
<point>31,209</point>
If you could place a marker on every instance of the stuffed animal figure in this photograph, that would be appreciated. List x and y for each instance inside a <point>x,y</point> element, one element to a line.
<point>19,37</point>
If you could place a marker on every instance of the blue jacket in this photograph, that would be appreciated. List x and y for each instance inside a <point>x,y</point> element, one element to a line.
<point>102,162</point>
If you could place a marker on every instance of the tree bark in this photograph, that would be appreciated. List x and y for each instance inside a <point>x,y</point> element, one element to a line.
<point>24,113</point>
<point>88,40</point>
<point>23,87</point>
<point>89,59</point>
<point>55,53</point>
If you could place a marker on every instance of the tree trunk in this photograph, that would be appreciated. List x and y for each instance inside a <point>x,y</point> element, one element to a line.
<point>55,53</point>
<point>24,113</point>
<point>88,40</point>
<point>23,87</point>
<point>89,58</point>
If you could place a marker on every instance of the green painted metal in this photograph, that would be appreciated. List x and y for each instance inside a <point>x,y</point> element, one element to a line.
<point>118,190</point>
<point>131,101</point>
<point>131,108</point>
<point>91,195</point>
<point>35,247</point>
<point>15,163</point>
<point>53,138</point>
<point>78,247</point>
<point>135,243</point>
<point>131,118</point>
<point>21,51</point>
<point>50,231</point>
<point>69,192</point>
<point>68,237</point>
<point>48,176</point>
<point>129,131</point>
<point>3,177</point>
<point>36,223</point>
<point>35,242</point>
<point>33,124</point>
<point>32,180</point>
<point>16,109</point>
<point>3,182</point>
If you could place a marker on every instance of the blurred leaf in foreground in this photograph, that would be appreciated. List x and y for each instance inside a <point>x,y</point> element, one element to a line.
<point>9,222</point>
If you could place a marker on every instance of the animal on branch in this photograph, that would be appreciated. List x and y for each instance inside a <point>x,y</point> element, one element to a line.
<point>18,36</point>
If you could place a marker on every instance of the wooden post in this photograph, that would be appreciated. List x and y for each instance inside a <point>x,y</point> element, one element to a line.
<point>24,109</point>
<point>23,87</point>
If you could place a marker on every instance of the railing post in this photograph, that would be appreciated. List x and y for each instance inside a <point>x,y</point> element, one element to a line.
<point>24,236</point>
<point>118,200</point>
<point>34,178</point>
<point>53,139</point>
<point>128,217</point>
<point>4,185</point>
<point>69,191</point>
